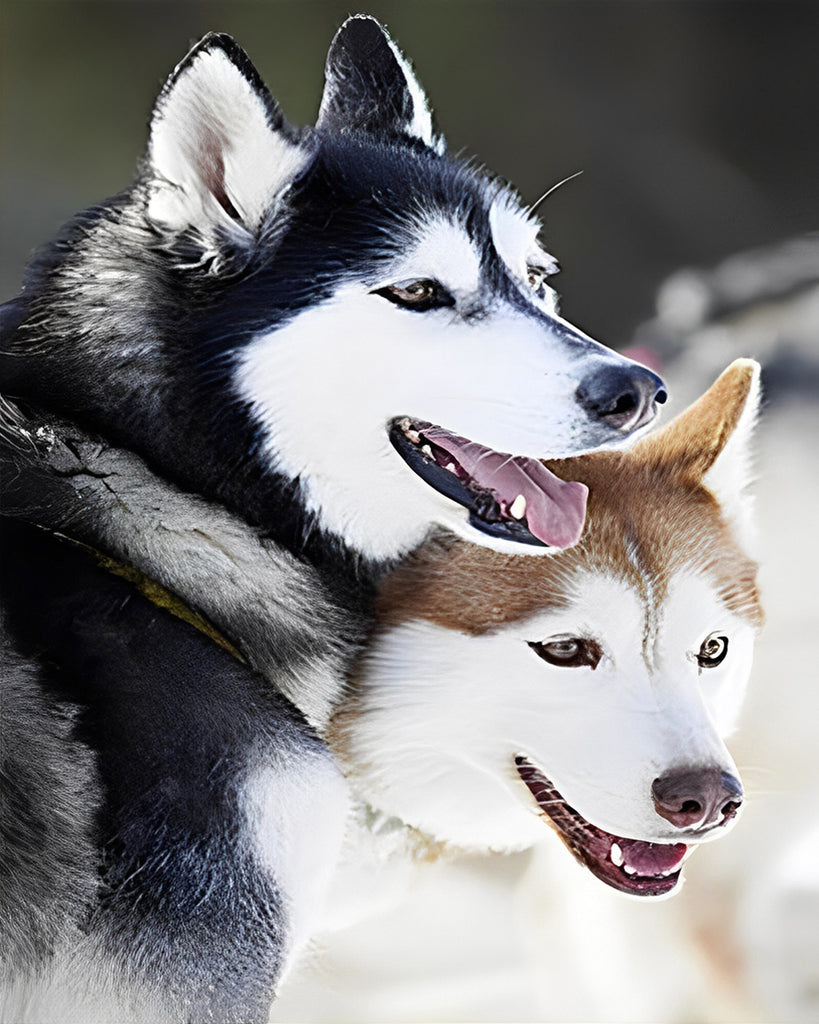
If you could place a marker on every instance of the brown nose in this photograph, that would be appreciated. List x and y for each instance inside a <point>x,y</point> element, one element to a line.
<point>697,797</point>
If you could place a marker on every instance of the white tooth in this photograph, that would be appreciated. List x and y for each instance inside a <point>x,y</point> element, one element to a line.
<point>617,857</point>
<point>427,450</point>
<point>452,468</point>
<point>629,870</point>
<point>412,435</point>
<point>517,510</point>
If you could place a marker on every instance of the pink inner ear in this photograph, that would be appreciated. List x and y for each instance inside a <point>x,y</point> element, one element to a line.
<point>212,169</point>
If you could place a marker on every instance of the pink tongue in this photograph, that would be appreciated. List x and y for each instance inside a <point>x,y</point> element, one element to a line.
<point>555,509</point>
<point>652,858</point>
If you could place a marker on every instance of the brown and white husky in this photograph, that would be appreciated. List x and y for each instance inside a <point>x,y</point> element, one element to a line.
<point>592,690</point>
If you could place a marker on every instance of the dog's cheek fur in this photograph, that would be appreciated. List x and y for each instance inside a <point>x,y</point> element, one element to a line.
<point>427,707</point>
<point>695,607</point>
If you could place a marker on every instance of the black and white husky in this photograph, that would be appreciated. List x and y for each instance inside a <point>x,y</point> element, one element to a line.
<point>241,389</point>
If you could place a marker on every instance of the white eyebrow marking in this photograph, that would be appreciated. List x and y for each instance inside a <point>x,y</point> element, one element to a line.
<point>515,235</point>
<point>443,252</point>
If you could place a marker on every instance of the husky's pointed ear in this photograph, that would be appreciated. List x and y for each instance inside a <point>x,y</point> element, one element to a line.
<point>219,150</point>
<point>710,442</point>
<point>370,87</point>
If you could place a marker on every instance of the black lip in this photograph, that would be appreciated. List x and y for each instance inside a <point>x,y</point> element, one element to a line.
<point>589,844</point>
<point>507,529</point>
<point>477,501</point>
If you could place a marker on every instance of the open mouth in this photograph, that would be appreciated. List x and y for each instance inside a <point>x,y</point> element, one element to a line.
<point>630,865</point>
<point>509,496</point>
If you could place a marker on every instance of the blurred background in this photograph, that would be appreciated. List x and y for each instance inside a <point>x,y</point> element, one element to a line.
<point>689,234</point>
<point>694,122</point>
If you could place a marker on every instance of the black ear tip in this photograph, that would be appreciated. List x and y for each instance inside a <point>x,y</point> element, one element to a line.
<point>370,87</point>
<point>210,42</point>
<point>360,34</point>
<point>216,41</point>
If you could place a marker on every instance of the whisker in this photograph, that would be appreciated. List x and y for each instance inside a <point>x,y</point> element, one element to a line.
<point>554,188</point>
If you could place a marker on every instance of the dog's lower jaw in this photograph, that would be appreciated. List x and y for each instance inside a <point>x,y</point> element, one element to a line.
<point>405,814</point>
<point>463,528</point>
<point>381,524</point>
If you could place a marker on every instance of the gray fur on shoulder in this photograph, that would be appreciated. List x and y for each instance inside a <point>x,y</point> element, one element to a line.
<point>49,794</point>
<point>272,606</point>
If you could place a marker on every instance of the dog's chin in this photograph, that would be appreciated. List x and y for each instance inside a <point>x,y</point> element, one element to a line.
<point>512,504</point>
<point>632,866</point>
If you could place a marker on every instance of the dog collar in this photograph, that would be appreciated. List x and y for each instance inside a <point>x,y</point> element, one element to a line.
<point>154,592</point>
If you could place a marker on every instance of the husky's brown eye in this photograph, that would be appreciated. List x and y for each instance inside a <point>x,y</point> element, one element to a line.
<point>713,651</point>
<point>569,652</point>
<point>417,295</point>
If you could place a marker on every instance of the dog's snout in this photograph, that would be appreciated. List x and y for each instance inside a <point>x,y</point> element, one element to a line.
<point>625,397</point>
<point>696,798</point>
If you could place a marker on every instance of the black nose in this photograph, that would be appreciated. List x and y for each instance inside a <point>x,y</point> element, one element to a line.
<point>624,397</point>
<point>697,797</point>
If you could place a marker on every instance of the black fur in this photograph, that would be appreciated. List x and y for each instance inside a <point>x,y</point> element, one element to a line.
<point>368,91</point>
<point>170,399</point>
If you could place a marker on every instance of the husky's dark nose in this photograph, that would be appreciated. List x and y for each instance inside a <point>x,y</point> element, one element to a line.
<point>697,797</point>
<point>623,397</point>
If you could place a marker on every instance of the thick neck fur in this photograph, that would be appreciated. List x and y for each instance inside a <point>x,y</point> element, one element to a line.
<point>290,621</point>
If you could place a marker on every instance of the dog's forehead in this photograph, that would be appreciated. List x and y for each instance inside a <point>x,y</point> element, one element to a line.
<point>692,596</point>
<point>471,589</point>
<point>403,202</point>
<point>458,246</point>
<point>595,604</point>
